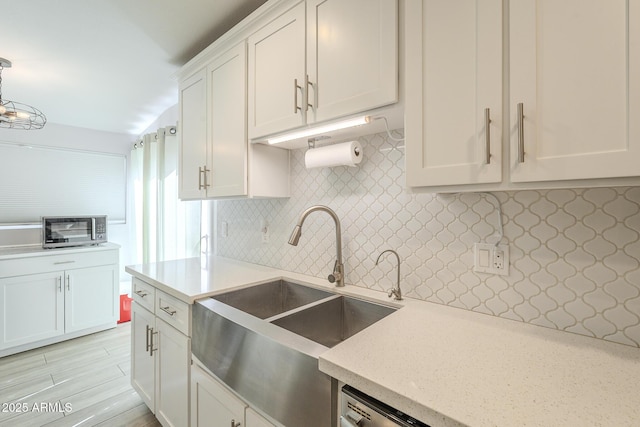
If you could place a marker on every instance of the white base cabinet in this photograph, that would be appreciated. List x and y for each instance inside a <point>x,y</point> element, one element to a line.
<point>41,303</point>
<point>161,353</point>
<point>213,405</point>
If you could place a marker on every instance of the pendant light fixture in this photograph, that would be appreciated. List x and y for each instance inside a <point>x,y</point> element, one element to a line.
<point>15,115</point>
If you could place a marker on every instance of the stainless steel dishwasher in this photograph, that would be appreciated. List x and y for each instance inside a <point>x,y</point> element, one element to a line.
<point>361,410</point>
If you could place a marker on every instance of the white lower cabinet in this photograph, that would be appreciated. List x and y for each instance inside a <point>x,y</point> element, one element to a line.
<point>32,308</point>
<point>42,304</point>
<point>160,354</point>
<point>212,405</point>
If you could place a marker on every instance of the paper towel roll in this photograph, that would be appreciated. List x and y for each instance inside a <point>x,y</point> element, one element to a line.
<point>344,154</point>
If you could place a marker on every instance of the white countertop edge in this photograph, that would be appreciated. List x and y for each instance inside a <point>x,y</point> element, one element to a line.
<point>27,251</point>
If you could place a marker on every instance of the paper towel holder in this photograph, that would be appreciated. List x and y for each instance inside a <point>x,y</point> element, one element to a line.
<point>312,143</point>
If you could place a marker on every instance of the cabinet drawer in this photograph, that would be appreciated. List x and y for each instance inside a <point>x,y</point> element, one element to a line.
<point>56,262</point>
<point>143,294</point>
<point>173,311</point>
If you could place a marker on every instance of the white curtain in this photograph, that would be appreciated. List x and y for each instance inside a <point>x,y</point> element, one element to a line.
<point>166,228</point>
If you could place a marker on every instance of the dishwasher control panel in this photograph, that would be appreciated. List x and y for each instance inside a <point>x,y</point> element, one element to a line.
<point>362,410</point>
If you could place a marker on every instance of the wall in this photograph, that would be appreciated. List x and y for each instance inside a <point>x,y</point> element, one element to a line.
<point>574,253</point>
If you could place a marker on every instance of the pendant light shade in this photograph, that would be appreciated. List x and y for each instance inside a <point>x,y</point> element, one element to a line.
<point>15,115</point>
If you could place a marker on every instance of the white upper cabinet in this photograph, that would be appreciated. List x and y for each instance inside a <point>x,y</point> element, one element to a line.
<point>277,73</point>
<point>216,160</point>
<point>453,105</point>
<point>575,72</point>
<point>228,154</point>
<point>321,60</point>
<point>193,135</point>
<point>352,56</point>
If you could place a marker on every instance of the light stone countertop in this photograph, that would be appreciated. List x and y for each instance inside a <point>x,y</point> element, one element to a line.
<point>448,366</point>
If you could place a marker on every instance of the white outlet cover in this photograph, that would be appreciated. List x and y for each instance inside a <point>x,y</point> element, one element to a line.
<point>484,258</point>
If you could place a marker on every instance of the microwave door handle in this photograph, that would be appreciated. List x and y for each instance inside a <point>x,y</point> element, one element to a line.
<point>93,229</point>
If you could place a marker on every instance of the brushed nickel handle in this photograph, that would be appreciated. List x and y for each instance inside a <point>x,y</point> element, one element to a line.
<point>234,424</point>
<point>295,96</point>
<point>199,178</point>
<point>63,262</point>
<point>487,135</point>
<point>168,311</point>
<point>206,184</point>
<point>68,282</point>
<point>520,118</point>
<point>307,83</point>
<point>151,349</point>
<point>59,283</point>
<point>147,336</point>
<point>141,294</point>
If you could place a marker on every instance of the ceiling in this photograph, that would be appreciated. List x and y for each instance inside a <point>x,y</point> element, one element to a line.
<point>106,64</point>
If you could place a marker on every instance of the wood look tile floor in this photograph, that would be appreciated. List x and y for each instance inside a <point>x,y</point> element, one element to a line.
<point>80,382</point>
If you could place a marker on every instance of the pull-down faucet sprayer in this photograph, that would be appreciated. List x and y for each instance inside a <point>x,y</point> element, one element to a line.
<point>338,269</point>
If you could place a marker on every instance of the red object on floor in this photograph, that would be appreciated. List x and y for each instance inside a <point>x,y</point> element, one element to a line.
<point>125,308</point>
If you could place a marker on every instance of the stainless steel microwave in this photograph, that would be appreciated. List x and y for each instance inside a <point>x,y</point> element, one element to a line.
<point>63,231</point>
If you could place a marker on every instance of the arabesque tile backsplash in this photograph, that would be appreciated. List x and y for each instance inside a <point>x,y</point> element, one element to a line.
<point>575,254</point>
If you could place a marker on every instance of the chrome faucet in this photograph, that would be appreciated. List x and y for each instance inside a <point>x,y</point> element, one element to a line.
<point>396,292</point>
<point>337,276</point>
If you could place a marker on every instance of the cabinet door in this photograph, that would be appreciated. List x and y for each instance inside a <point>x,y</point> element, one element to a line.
<point>276,74</point>
<point>228,95</point>
<point>211,404</point>
<point>253,419</point>
<point>192,128</point>
<point>575,68</point>
<point>352,56</point>
<point>142,359</point>
<point>454,74</point>
<point>173,359</point>
<point>32,308</point>
<point>91,297</point>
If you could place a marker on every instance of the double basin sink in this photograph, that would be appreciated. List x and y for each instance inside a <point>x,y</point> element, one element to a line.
<point>264,342</point>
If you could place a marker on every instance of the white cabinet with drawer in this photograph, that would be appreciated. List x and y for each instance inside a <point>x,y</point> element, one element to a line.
<point>52,295</point>
<point>161,352</point>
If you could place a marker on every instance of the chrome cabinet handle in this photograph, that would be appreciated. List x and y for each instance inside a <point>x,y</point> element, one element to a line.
<point>63,262</point>
<point>520,118</point>
<point>202,172</point>
<point>234,424</point>
<point>166,310</point>
<point>307,83</point>
<point>59,283</point>
<point>147,337</point>
<point>295,96</point>
<point>205,170</point>
<point>141,294</point>
<point>68,283</point>
<point>487,135</point>
<point>151,334</point>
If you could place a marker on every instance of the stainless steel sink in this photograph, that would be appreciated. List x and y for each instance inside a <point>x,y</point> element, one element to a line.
<point>335,320</point>
<point>272,298</point>
<point>264,342</point>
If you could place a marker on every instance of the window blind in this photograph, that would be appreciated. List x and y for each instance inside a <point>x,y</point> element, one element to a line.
<point>38,181</point>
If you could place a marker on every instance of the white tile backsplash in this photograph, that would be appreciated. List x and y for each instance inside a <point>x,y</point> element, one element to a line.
<point>574,253</point>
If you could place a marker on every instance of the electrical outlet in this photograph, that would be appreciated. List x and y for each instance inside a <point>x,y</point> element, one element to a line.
<point>492,259</point>
<point>264,231</point>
